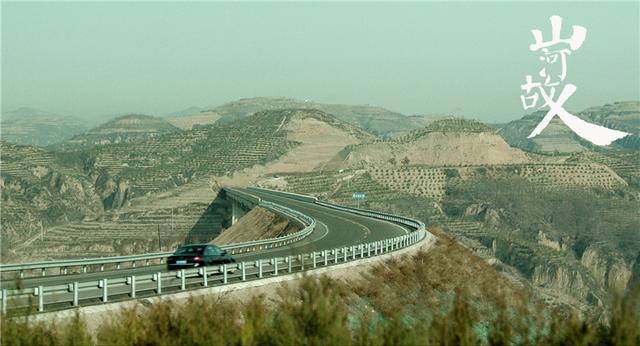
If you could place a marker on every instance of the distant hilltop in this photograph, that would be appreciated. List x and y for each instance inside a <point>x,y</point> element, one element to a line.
<point>125,128</point>
<point>35,127</point>
<point>557,137</point>
<point>449,125</point>
<point>452,141</point>
<point>373,119</point>
<point>32,126</point>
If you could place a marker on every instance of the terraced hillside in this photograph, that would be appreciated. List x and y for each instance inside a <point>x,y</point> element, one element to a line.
<point>518,210</point>
<point>189,121</point>
<point>376,120</point>
<point>576,245</point>
<point>431,182</point>
<point>185,204</point>
<point>123,129</point>
<point>49,203</point>
<point>447,142</point>
<point>139,183</point>
<point>185,112</point>
<point>130,232</point>
<point>521,217</point>
<point>28,126</point>
<point>557,137</point>
<point>448,125</point>
<point>164,162</point>
<point>373,119</point>
<point>339,187</point>
<point>623,116</point>
<point>245,107</point>
<point>39,191</point>
<point>421,121</point>
<point>626,163</point>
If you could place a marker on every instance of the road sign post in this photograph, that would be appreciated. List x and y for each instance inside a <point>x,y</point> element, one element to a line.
<point>358,196</point>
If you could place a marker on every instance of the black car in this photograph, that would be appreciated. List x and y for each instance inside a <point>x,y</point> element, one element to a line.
<point>197,255</point>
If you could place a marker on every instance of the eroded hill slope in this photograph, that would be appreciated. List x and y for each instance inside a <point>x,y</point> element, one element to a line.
<point>444,142</point>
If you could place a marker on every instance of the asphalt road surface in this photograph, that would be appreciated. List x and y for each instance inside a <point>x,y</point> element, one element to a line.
<point>334,229</point>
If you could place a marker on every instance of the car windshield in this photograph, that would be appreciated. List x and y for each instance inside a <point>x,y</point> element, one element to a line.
<point>190,250</point>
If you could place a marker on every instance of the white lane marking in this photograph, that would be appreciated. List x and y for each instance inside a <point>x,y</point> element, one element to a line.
<point>406,231</point>
<point>364,228</point>
<point>326,231</point>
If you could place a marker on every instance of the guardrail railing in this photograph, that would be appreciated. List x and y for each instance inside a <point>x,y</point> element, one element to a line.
<point>75,293</point>
<point>116,262</point>
<point>417,224</point>
<point>244,198</point>
<point>106,290</point>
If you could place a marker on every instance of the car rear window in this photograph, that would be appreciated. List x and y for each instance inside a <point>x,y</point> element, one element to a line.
<point>189,250</point>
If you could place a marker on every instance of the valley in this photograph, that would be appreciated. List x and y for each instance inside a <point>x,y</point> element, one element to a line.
<point>121,187</point>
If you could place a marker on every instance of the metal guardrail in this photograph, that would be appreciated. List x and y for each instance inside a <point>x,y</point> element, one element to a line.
<point>290,195</point>
<point>104,290</point>
<point>417,224</point>
<point>100,263</point>
<point>243,198</point>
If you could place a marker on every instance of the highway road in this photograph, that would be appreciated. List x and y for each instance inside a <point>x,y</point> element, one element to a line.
<point>334,229</point>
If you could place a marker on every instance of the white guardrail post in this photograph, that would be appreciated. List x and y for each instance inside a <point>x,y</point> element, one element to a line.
<point>75,293</point>
<point>84,264</point>
<point>133,286</point>
<point>325,257</point>
<point>40,294</point>
<point>158,282</point>
<point>105,290</point>
<point>205,276</point>
<point>224,274</point>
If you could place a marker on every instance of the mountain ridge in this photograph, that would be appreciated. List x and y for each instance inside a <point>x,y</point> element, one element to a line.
<point>31,126</point>
<point>125,128</point>
<point>558,138</point>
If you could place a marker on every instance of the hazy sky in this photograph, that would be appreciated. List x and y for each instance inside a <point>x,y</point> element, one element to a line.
<point>95,59</point>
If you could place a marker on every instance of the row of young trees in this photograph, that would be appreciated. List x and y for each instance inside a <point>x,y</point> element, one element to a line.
<point>405,161</point>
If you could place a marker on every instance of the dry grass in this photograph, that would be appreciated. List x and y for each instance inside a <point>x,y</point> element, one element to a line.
<point>259,223</point>
<point>444,296</point>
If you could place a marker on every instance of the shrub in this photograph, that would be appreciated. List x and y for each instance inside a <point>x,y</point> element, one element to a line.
<point>451,173</point>
<point>319,312</point>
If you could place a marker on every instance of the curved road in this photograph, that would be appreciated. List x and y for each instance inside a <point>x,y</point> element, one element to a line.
<point>334,229</point>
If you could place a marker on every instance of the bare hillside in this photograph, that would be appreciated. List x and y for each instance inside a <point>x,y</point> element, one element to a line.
<point>259,223</point>
<point>449,142</point>
<point>188,122</point>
